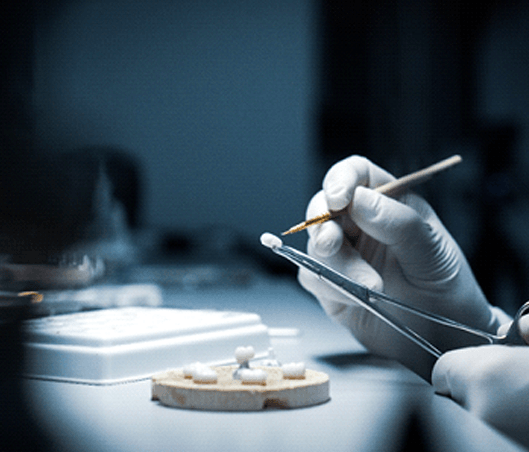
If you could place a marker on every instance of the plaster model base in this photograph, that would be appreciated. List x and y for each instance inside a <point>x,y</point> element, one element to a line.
<point>172,389</point>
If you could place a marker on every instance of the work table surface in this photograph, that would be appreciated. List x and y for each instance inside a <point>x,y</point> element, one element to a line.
<point>376,404</point>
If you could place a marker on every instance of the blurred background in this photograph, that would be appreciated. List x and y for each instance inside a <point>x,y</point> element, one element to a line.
<point>188,128</point>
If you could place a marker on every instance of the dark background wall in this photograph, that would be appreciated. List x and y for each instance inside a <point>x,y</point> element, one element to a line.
<point>212,98</point>
<point>229,113</point>
<point>410,82</point>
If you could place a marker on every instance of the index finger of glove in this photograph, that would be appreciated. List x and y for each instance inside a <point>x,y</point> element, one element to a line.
<point>325,239</point>
<point>342,179</point>
<point>420,247</point>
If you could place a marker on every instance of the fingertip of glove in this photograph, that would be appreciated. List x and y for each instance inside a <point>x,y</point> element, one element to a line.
<point>327,241</point>
<point>363,194</point>
<point>439,378</point>
<point>364,203</point>
<point>338,196</point>
<point>446,368</point>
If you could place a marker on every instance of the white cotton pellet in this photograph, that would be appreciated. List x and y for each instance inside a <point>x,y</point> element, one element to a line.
<point>253,376</point>
<point>271,240</point>
<point>204,374</point>
<point>293,370</point>
<point>243,354</point>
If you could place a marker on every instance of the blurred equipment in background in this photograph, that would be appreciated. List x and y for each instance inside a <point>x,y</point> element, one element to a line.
<point>499,259</point>
<point>403,82</point>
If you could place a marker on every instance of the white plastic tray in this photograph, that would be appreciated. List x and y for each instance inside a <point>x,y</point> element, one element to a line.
<point>118,345</point>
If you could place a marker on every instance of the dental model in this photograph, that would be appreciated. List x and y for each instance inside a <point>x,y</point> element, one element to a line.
<point>241,387</point>
<point>253,376</point>
<point>253,392</point>
<point>293,371</point>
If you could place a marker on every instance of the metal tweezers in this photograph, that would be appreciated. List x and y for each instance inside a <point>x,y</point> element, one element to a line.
<point>364,296</point>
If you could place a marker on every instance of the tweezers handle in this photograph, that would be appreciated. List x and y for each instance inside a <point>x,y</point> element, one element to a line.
<point>358,293</point>
<point>362,296</point>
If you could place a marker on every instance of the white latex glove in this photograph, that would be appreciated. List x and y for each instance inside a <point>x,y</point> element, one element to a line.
<point>491,381</point>
<point>403,250</point>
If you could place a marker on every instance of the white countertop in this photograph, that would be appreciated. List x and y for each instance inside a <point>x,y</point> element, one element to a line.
<point>372,399</point>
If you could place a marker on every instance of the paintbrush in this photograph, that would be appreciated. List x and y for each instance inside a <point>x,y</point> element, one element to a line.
<point>390,189</point>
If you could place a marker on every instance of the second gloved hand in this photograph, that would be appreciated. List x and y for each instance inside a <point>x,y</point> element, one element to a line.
<point>491,381</point>
<point>399,247</point>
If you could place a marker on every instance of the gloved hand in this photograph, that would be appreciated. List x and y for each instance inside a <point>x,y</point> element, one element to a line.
<point>491,381</point>
<point>402,249</point>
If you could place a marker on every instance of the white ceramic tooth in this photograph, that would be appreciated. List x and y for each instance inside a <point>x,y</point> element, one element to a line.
<point>253,376</point>
<point>293,370</point>
<point>204,374</point>
<point>243,354</point>
<point>190,368</point>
